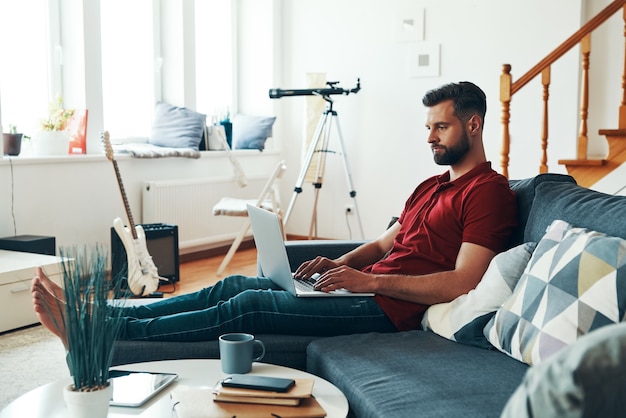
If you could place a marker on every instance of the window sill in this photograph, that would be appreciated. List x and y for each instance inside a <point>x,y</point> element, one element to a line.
<point>85,158</point>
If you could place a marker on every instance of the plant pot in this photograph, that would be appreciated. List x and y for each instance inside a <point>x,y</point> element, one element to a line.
<point>12,144</point>
<point>87,404</point>
<point>51,143</point>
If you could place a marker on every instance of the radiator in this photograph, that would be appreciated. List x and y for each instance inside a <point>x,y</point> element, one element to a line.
<point>189,205</point>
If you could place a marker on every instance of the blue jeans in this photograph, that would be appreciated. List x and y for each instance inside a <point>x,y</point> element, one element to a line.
<point>253,305</point>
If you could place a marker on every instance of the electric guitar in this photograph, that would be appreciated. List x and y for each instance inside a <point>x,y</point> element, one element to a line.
<point>143,276</point>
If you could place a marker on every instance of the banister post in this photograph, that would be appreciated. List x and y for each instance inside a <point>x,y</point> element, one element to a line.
<point>505,99</point>
<point>545,81</point>
<point>585,49</point>
<point>622,107</point>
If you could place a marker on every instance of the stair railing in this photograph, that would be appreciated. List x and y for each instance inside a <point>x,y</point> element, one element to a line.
<point>509,88</point>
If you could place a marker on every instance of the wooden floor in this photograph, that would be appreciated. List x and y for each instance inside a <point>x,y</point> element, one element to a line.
<point>197,274</point>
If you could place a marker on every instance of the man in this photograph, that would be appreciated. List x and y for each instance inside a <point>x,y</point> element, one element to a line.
<point>450,229</point>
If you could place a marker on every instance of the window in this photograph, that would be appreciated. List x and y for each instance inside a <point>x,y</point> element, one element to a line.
<point>131,75</point>
<point>24,73</point>
<point>214,59</point>
<point>128,66</point>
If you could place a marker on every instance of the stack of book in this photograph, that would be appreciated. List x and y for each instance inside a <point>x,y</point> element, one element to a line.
<point>230,402</point>
<point>302,390</point>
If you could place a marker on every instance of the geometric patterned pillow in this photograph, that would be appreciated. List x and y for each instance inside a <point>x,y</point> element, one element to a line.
<point>463,319</point>
<point>574,283</point>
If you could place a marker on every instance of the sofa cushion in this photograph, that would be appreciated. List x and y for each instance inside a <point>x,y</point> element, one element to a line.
<point>415,373</point>
<point>284,350</point>
<point>464,318</point>
<point>578,206</point>
<point>525,194</point>
<point>584,380</point>
<point>574,283</point>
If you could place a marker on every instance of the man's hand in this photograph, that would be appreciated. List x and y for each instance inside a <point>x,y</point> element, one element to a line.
<point>334,276</point>
<point>344,277</point>
<point>317,265</point>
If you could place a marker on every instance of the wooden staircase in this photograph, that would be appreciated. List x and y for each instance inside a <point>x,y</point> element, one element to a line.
<point>586,171</point>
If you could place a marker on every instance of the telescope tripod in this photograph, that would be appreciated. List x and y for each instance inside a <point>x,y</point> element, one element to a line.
<point>319,144</point>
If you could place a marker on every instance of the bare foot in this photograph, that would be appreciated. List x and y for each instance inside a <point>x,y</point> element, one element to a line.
<point>52,288</point>
<point>49,307</point>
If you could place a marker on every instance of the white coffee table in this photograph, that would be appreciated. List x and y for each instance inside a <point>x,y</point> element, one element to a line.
<point>47,401</point>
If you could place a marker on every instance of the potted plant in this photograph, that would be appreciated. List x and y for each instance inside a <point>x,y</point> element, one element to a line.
<point>53,138</point>
<point>91,325</point>
<point>12,141</point>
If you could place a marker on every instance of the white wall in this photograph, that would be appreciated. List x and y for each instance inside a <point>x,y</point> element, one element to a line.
<point>383,124</point>
<point>75,199</point>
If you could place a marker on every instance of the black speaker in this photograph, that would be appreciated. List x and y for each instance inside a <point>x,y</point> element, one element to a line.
<point>29,244</point>
<point>162,244</point>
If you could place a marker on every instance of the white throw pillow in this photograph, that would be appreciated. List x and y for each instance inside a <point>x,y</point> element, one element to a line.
<point>464,318</point>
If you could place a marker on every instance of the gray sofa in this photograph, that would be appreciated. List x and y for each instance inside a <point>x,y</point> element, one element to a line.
<point>419,373</point>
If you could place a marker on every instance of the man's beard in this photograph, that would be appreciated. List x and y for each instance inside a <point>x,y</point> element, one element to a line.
<point>452,155</point>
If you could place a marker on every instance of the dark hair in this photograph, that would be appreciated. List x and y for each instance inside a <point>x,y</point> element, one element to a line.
<point>468,99</point>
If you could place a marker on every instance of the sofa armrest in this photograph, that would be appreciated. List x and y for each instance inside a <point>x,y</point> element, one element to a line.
<point>301,251</point>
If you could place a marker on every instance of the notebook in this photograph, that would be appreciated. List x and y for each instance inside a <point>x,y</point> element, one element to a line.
<point>272,255</point>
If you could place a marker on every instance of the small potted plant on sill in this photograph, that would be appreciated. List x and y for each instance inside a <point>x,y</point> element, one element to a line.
<point>91,323</point>
<point>53,138</point>
<point>12,141</point>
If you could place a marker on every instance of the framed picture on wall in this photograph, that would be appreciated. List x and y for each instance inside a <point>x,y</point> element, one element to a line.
<point>424,59</point>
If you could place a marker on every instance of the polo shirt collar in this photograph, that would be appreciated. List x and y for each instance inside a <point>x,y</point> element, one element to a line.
<point>479,169</point>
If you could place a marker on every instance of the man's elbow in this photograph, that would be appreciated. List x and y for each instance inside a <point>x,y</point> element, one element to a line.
<point>463,287</point>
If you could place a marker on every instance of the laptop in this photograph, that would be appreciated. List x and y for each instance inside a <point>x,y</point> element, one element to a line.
<point>268,237</point>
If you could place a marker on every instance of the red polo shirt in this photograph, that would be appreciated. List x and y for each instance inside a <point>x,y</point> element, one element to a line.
<point>478,207</point>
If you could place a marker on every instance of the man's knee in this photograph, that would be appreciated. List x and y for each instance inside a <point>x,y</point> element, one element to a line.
<point>258,300</point>
<point>234,286</point>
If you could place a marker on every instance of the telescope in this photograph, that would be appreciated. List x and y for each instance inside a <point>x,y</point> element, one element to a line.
<point>324,92</point>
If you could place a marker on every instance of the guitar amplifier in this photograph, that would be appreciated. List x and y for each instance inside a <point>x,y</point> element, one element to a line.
<point>162,244</point>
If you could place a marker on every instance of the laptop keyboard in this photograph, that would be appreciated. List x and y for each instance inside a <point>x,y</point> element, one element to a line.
<point>306,285</point>
<point>303,286</point>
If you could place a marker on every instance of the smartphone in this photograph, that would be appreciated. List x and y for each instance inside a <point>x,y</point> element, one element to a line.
<point>272,384</point>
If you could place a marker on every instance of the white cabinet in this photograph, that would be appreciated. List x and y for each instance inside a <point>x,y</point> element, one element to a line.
<point>16,272</point>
